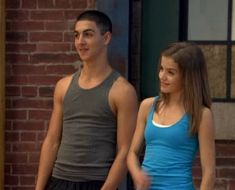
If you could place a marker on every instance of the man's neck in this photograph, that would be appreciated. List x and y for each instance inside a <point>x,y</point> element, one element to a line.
<point>95,69</point>
<point>93,74</point>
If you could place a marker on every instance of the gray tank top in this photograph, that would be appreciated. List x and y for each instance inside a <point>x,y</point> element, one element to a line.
<point>88,144</point>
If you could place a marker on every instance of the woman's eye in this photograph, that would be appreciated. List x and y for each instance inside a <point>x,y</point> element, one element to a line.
<point>171,73</point>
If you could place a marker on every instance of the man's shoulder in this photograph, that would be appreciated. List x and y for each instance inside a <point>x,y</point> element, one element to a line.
<point>123,84</point>
<point>65,80</point>
<point>63,84</point>
<point>122,90</point>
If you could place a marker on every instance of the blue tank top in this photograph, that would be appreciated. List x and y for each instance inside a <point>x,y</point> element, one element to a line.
<point>169,154</point>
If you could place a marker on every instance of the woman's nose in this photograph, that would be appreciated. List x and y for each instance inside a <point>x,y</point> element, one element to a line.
<point>162,75</point>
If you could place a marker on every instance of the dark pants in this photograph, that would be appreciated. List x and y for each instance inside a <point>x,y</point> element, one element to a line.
<point>60,184</point>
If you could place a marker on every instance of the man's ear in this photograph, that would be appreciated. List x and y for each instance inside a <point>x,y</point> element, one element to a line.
<point>107,38</point>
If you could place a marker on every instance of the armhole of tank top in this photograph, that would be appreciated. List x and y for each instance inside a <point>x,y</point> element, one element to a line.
<point>111,80</point>
<point>73,77</point>
<point>152,109</point>
<point>116,76</point>
<point>113,77</point>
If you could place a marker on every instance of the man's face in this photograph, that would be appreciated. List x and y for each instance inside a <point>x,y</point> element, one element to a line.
<point>89,41</point>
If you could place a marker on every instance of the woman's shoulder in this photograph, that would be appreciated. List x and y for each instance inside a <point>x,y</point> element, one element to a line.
<point>146,104</point>
<point>206,113</point>
<point>148,101</point>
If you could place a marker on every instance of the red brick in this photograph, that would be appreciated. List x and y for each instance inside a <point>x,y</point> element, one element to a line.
<point>7,169</point>
<point>47,15</point>
<point>43,80</point>
<point>16,36</point>
<point>17,15</point>
<point>16,157</point>
<point>8,70</point>
<point>39,114</point>
<point>24,147</point>
<point>29,91</point>
<point>197,182</point>
<point>8,103</point>
<point>226,172</point>
<point>61,69</point>
<point>13,4</point>
<point>72,14</point>
<point>8,26</point>
<point>46,91</point>
<point>26,4</point>
<point>23,187</point>
<point>27,180</point>
<point>8,147</point>
<point>8,125</point>
<point>23,47</point>
<point>225,149</point>
<point>55,47</point>
<point>24,169</point>
<point>197,161</point>
<point>27,26</point>
<point>41,136</point>
<point>54,58</point>
<point>16,114</point>
<point>197,172</point>
<point>221,184</point>
<point>17,58</point>
<point>34,157</point>
<point>225,162</point>
<point>28,136</point>
<point>17,80</point>
<point>12,91</point>
<point>71,25</point>
<point>232,184</point>
<point>12,136</point>
<point>32,103</point>
<point>62,4</point>
<point>11,180</point>
<point>29,125</point>
<point>68,37</point>
<point>25,69</point>
<point>46,36</point>
<point>81,4</point>
<point>46,4</point>
<point>56,25</point>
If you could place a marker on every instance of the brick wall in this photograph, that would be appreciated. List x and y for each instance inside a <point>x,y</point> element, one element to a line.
<point>39,51</point>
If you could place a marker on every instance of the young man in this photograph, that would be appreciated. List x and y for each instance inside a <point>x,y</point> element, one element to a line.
<point>93,117</point>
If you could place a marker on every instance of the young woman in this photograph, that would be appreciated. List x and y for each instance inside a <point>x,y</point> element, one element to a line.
<point>175,124</point>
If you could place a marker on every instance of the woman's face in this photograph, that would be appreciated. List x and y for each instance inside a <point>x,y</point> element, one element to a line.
<point>170,77</point>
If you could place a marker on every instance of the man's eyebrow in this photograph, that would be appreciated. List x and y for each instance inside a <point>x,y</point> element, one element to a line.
<point>86,30</point>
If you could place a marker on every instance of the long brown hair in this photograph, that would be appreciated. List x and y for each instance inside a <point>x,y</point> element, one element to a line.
<point>192,65</point>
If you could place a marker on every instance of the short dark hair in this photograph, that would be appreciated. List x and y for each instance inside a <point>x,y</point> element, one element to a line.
<point>101,19</point>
